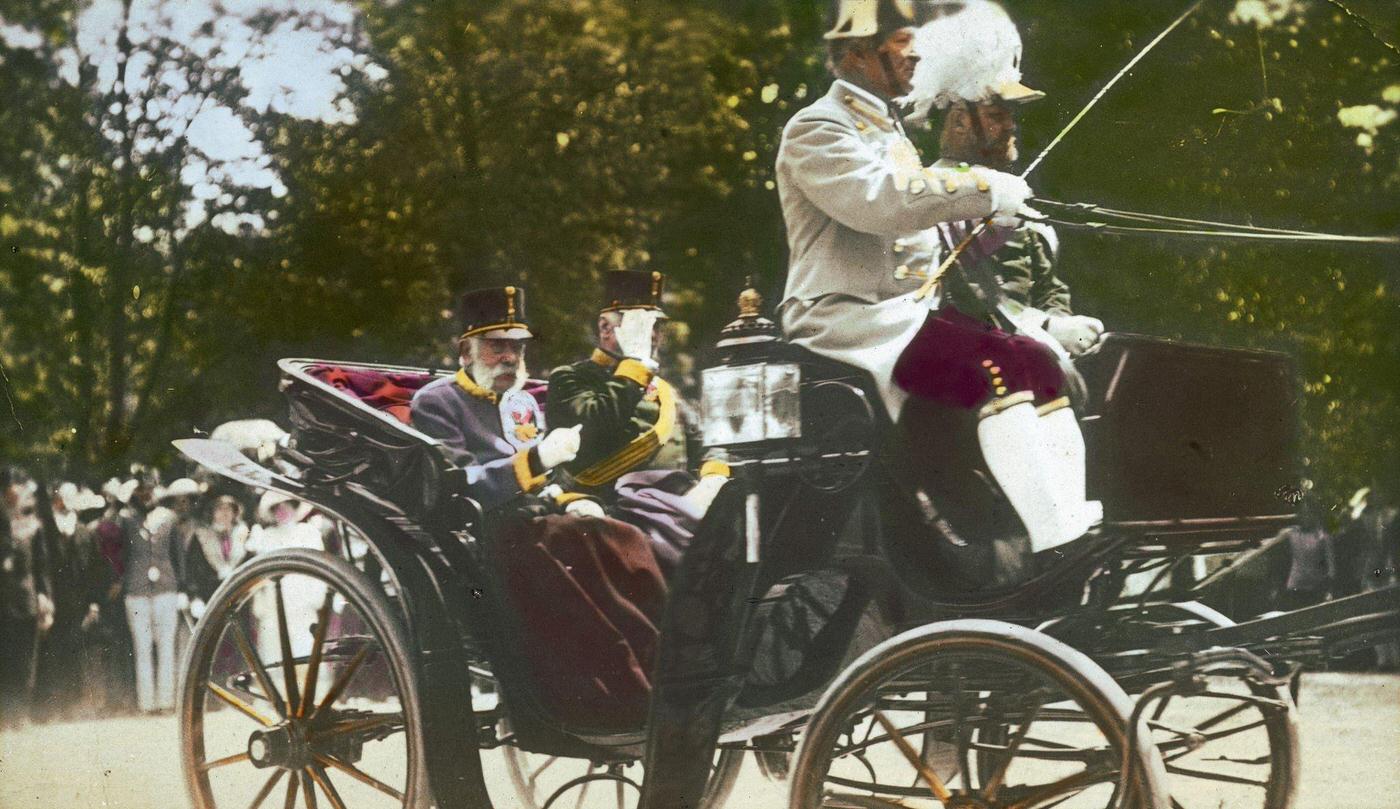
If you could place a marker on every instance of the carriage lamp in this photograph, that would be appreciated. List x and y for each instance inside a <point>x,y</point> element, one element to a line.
<point>745,404</point>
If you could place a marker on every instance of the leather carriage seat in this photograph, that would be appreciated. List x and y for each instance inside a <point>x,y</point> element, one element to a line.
<point>391,391</point>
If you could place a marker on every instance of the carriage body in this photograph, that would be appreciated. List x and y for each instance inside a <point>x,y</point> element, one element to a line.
<point>792,509</point>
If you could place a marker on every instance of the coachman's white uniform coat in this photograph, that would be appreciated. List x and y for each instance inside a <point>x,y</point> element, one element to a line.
<point>860,209</point>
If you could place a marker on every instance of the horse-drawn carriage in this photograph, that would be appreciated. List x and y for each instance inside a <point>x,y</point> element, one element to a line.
<point>391,666</point>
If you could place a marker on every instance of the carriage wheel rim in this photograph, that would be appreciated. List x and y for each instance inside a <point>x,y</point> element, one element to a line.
<point>301,734</point>
<point>847,706</point>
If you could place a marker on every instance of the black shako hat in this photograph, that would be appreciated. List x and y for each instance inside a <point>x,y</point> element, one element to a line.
<point>632,289</point>
<point>495,312</point>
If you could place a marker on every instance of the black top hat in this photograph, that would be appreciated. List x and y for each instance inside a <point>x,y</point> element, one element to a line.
<point>632,289</point>
<point>496,309</point>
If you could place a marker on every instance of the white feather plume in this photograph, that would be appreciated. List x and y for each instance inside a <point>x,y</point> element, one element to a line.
<point>965,56</point>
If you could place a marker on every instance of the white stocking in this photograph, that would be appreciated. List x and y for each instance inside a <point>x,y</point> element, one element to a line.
<point>1064,452</point>
<point>1009,433</point>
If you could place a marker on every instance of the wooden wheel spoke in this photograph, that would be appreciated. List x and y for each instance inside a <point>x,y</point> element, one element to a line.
<point>931,779</point>
<point>308,692</point>
<point>292,784</point>
<point>206,766</point>
<point>242,707</point>
<point>318,774</point>
<point>240,639</point>
<point>1217,776</point>
<point>356,725</point>
<point>267,788</point>
<point>308,792</point>
<point>358,775</point>
<point>342,680</point>
<point>535,776</point>
<point>1224,716</point>
<point>1065,787</point>
<point>993,785</point>
<point>289,663</point>
<point>1183,747</point>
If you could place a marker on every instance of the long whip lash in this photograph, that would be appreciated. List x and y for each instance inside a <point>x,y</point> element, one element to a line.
<point>937,274</point>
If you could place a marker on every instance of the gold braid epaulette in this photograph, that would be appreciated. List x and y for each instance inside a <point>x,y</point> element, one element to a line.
<point>640,449</point>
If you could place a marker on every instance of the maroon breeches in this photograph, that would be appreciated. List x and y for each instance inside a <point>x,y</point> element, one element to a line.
<point>961,361</point>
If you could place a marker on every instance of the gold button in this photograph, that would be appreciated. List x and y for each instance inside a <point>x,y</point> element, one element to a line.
<point>849,99</point>
<point>994,369</point>
<point>917,186</point>
<point>951,185</point>
<point>902,270</point>
<point>987,363</point>
<point>996,380</point>
<point>860,126</point>
<point>983,185</point>
<point>897,248</point>
<point>1001,391</point>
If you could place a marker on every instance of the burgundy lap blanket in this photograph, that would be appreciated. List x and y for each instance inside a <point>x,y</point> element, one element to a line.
<point>590,595</point>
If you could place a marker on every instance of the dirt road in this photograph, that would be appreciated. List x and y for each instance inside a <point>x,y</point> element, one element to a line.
<point>1350,740</point>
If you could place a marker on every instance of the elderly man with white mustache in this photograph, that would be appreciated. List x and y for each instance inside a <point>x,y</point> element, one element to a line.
<point>491,425</point>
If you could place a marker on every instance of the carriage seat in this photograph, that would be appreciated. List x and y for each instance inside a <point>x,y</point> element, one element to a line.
<point>390,391</point>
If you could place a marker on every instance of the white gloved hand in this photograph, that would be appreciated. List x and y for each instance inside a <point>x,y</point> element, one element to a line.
<point>702,494</point>
<point>1077,333</point>
<point>584,508</point>
<point>634,333</point>
<point>182,601</point>
<point>559,446</point>
<point>197,609</point>
<point>1009,194</point>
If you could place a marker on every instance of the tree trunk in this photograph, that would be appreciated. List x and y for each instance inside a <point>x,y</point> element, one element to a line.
<point>115,439</point>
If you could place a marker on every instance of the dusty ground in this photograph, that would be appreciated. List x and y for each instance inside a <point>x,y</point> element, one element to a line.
<point>1350,739</point>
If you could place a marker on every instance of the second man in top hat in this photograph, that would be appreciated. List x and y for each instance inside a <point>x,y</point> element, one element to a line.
<point>629,415</point>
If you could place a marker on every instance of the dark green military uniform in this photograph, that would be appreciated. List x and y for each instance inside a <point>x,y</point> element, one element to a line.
<point>616,403</point>
<point>1026,268</point>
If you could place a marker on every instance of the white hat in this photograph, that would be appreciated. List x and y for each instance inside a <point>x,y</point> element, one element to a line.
<point>85,500</point>
<point>258,437</point>
<point>68,493</point>
<point>271,499</point>
<point>183,487</point>
<point>119,490</point>
<point>973,55</point>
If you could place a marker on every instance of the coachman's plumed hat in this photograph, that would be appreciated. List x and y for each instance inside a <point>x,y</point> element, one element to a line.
<point>495,312</point>
<point>632,289</point>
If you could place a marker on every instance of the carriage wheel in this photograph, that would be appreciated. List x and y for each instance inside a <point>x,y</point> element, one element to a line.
<point>298,687</point>
<point>973,714</point>
<point>1235,746</point>
<point>548,782</point>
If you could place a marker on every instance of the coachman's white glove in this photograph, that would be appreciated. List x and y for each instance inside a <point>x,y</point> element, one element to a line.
<point>584,508</point>
<point>197,609</point>
<point>559,446</point>
<point>634,333</point>
<point>1009,194</point>
<point>1077,333</point>
<point>704,492</point>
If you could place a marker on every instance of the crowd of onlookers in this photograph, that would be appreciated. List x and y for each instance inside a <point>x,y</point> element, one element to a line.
<point>100,589</point>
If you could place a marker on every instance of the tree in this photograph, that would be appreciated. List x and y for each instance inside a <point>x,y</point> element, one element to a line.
<point>138,175</point>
